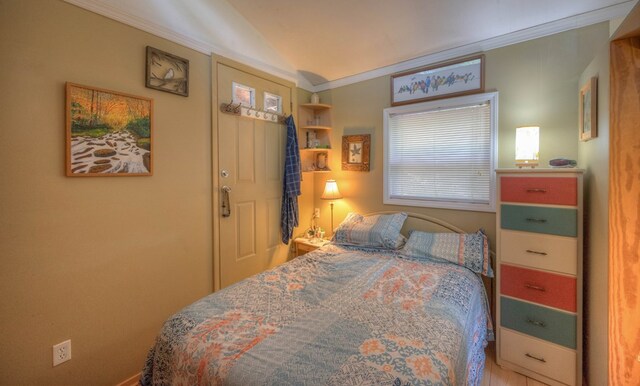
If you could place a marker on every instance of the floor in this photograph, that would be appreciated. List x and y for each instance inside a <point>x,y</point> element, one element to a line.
<point>494,375</point>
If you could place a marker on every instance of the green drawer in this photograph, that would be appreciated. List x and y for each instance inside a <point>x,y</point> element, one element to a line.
<point>541,322</point>
<point>553,221</point>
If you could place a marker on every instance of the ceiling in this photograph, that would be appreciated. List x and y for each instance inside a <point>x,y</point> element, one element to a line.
<point>335,42</point>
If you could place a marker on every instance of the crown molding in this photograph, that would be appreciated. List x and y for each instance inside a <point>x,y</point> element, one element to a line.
<point>207,48</point>
<point>554,27</point>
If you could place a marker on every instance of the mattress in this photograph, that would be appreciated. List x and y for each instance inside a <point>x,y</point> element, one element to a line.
<point>335,316</point>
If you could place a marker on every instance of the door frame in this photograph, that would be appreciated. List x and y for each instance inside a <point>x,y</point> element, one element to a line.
<point>215,130</point>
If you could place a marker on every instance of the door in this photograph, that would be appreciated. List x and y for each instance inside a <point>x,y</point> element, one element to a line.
<point>250,163</point>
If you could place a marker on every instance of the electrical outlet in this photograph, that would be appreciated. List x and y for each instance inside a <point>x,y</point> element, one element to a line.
<point>61,352</point>
<point>316,213</point>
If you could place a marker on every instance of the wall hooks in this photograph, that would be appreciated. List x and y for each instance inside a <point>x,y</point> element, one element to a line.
<point>251,112</point>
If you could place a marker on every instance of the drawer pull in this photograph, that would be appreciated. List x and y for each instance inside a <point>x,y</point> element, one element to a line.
<point>535,287</point>
<point>535,357</point>
<point>531,219</point>
<point>536,252</point>
<point>536,323</point>
<point>536,190</point>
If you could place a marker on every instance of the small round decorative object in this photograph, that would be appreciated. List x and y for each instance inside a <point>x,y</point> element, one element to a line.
<point>315,98</point>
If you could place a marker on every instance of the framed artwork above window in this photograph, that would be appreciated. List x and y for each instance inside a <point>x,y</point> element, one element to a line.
<point>445,80</point>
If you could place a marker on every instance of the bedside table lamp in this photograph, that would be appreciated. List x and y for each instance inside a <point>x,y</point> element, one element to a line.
<point>527,146</point>
<point>331,192</point>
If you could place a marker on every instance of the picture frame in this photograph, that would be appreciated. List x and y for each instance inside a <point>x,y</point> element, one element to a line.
<point>167,72</point>
<point>108,133</point>
<point>243,95</point>
<point>322,161</point>
<point>272,103</point>
<point>444,80</point>
<point>588,110</point>
<point>355,152</point>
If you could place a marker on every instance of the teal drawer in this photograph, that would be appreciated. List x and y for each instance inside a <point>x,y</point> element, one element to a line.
<point>541,322</point>
<point>553,221</point>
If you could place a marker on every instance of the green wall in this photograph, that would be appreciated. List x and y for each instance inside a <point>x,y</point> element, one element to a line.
<point>594,157</point>
<point>537,81</point>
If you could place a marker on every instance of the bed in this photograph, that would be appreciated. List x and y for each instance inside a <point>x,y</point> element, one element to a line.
<point>340,315</point>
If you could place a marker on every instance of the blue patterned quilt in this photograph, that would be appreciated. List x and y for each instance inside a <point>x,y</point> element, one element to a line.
<point>335,316</point>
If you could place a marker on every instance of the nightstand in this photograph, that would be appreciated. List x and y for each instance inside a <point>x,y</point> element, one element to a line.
<point>304,245</point>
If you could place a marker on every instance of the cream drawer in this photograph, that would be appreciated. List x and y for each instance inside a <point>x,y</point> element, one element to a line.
<point>547,359</point>
<point>552,253</point>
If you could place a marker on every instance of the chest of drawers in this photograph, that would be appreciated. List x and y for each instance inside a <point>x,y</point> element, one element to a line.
<point>539,273</point>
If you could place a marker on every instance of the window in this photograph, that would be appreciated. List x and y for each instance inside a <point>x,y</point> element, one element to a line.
<point>442,154</point>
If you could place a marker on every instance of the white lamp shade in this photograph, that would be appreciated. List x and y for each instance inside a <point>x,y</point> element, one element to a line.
<point>528,143</point>
<point>331,191</point>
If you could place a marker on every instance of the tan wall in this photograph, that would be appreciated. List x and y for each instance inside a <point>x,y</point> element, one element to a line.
<point>537,82</point>
<point>100,261</point>
<point>594,157</point>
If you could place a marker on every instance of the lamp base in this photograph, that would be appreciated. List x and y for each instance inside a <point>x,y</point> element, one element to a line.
<point>331,203</point>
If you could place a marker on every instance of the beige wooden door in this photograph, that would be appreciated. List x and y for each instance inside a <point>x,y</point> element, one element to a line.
<point>250,163</point>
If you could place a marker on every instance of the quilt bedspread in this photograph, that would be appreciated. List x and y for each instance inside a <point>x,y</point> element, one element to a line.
<point>335,316</point>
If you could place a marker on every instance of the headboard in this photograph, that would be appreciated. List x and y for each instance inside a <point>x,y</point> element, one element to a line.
<point>431,224</point>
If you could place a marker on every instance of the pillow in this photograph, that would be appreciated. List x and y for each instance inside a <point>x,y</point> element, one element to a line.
<point>469,250</point>
<point>379,231</point>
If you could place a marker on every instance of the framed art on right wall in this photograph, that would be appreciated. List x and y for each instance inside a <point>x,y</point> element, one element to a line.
<point>589,110</point>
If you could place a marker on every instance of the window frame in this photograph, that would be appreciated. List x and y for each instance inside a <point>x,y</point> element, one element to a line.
<point>492,98</point>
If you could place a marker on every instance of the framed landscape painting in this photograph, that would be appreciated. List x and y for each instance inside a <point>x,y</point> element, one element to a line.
<point>108,133</point>
<point>455,78</point>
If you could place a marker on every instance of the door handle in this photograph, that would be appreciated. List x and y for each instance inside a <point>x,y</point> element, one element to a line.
<point>226,205</point>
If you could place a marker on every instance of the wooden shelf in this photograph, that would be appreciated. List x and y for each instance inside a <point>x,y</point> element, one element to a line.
<point>317,171</point>
<point>316,106</point>
<point>316,132</point>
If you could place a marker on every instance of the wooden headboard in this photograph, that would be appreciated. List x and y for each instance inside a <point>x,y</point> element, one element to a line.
<point>426,223</point>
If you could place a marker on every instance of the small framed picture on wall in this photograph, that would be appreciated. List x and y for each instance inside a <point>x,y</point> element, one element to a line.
<point>355,152</point>
<point>588,122</point>
<point>167,72</point>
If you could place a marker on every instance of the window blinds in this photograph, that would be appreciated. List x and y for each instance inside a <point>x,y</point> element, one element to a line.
<point>441,155</point>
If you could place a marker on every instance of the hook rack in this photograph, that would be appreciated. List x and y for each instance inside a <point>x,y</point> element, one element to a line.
<point>251,112</point>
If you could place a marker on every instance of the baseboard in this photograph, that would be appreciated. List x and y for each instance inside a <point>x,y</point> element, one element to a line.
<point>132,381</point>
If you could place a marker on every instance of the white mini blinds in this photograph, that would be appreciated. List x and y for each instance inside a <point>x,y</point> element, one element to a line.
<point>442,154</point>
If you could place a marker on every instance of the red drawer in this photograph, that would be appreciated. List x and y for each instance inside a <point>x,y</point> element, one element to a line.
<point>541,287</point>
<point>540,190</point>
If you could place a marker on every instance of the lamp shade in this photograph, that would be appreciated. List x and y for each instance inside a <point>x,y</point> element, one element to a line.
<point>527,143</point>
<point>331,191</point>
